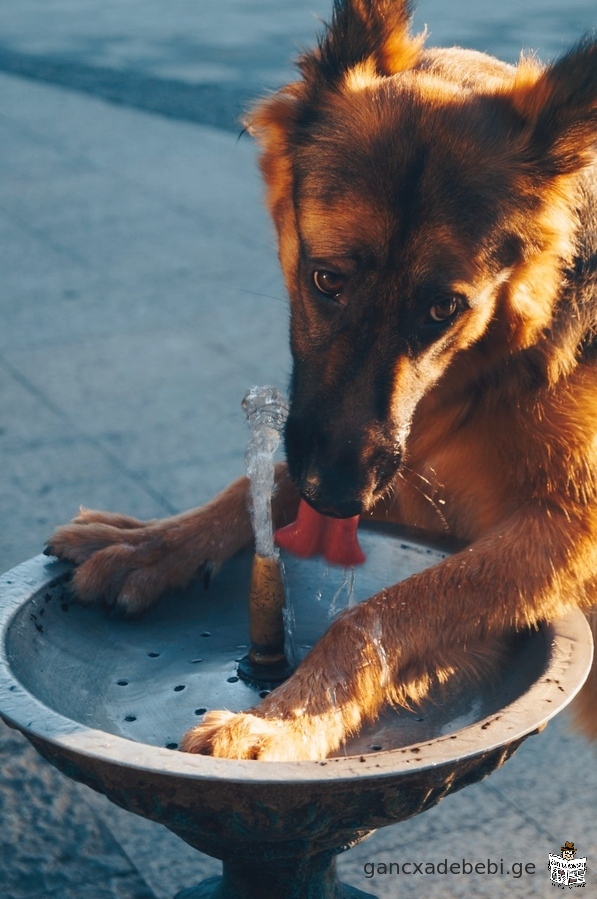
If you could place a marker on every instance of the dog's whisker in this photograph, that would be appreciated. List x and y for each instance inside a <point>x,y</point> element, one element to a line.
<point>421,491</point>
<point>255,293</point>
<point>421,477</point>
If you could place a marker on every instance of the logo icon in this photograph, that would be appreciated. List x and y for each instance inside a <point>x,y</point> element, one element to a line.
<point>565,870</point>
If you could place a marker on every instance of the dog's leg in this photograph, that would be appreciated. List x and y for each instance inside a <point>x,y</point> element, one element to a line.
<point>128,564</point>
<point>397,644</point>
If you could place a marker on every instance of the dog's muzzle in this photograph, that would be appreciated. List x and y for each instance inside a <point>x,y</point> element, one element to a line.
<point>339,475</point>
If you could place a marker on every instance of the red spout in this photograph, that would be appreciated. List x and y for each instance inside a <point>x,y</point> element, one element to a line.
<point>314,534</point>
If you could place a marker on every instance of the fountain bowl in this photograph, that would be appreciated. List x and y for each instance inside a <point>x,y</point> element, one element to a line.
<point>107,701</point>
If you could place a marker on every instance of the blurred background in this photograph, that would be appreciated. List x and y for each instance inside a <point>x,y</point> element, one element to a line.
<point>140,297</point>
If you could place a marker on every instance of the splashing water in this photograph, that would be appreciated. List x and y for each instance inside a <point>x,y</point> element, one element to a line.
<point>290,647</point>
<point>344,597</point>
<point>266,412</point>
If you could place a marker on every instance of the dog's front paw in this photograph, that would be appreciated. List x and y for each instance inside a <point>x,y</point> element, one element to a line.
<point>125,564</point>
<point>249,736</point>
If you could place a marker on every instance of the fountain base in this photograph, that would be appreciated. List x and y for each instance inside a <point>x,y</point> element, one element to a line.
<point>265,677</point>
<point>312,878</point>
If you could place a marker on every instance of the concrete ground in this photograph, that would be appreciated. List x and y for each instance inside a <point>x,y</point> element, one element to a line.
<point>140,298</point>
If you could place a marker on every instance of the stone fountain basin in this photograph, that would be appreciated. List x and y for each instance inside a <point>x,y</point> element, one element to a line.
<point>107,702</point>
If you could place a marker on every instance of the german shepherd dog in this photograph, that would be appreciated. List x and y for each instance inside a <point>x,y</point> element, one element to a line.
<point>436,214</point>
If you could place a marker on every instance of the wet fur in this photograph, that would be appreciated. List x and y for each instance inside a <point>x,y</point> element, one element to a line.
<point>415,175</point>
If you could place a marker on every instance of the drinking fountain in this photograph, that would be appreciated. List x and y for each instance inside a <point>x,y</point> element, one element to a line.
<point>108,701</point>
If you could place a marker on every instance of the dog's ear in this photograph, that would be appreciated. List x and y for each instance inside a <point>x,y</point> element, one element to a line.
<point>370,33</point>
<point>553,139</point>
<point>271,122</point>
<point>559,106</point>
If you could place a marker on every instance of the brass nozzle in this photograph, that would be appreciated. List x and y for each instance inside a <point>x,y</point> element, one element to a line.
<point>266,619</point>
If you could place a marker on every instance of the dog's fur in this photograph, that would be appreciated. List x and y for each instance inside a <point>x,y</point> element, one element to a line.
<point>437,226</point>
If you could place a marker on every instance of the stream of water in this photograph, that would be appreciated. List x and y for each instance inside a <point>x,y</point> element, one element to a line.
<point>266,410</point>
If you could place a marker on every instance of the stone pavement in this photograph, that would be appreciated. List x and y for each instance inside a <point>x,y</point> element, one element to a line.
<point>140,298</point>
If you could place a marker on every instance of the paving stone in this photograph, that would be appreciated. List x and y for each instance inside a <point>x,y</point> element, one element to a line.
<point>49,839</point>
<point>176,866</point>
<point>127,886</point>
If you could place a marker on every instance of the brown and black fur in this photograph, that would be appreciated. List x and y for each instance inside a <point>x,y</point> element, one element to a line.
<point>437,228</point>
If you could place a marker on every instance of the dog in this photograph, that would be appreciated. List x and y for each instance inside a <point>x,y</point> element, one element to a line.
<point>436,216</point>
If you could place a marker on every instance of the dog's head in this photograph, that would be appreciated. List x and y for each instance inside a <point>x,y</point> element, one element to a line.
<point>424,202</point>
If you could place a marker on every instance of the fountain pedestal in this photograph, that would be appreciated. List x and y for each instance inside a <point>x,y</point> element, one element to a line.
<point>311,878</point>
<point>107,702</point>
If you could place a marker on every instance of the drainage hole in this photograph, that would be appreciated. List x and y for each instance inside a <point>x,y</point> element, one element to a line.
<point>265,693</point>
<point>122,683</point>
<point>130,718</point>
<point>206,634</point>
<point>232,680</point>
<point>153,655</point>
<point>171,745</point>
<point>200,711</point>
<point>179,688</point>
<point>376,747</point>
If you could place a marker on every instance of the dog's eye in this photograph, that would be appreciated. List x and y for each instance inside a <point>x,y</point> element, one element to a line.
<point>444,310</point>
<point>330,284</point>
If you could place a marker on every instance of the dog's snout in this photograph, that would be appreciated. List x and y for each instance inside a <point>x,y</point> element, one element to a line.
<point>329,495</point>
<point>340,474</point>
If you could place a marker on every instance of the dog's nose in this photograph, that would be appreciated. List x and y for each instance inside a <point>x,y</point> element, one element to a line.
<point>329,496</point>
<point>310,486</point>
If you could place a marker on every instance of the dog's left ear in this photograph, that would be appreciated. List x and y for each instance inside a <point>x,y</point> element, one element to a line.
<point>559,104</point>
<point>370,33</point>
<point>370,36</point>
